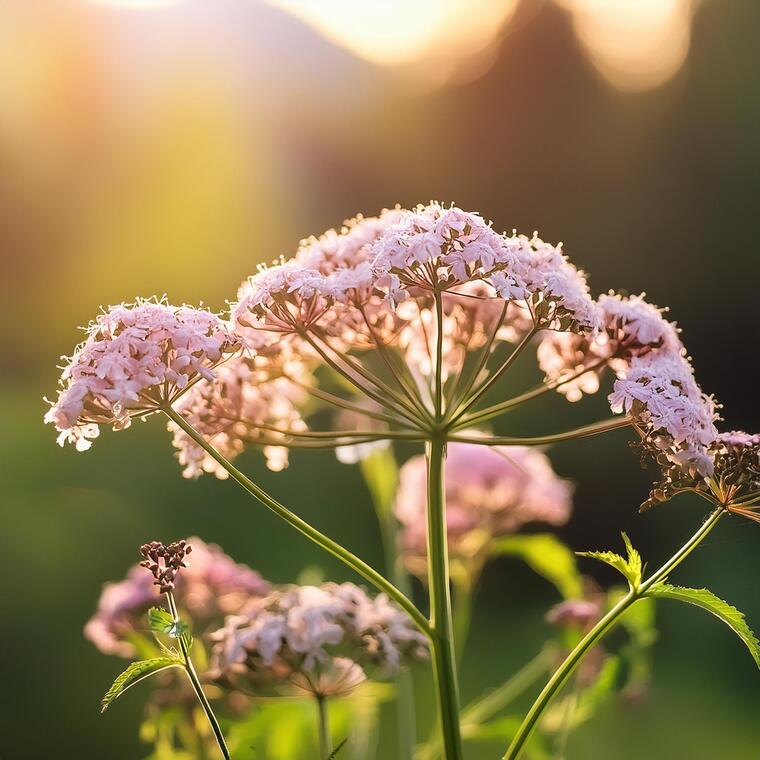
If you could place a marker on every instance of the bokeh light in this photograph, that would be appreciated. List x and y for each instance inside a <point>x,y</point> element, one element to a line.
<point>635,44</point>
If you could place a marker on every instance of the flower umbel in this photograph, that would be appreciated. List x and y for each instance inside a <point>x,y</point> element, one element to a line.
<point>135,358</point>
<point>316,636</point>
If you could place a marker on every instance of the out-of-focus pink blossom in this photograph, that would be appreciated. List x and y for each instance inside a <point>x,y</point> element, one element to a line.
<point>315,635</point>
<point>490,490</point>
<point>211,586</point>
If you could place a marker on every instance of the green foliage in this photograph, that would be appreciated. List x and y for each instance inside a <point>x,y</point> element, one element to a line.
<point>380,472</point>
<point>702,597</point>
<point>631,568</point>
<point>547,556</point>
<point>161,621</point>
<point>136,672</point>
<point>334,753</point>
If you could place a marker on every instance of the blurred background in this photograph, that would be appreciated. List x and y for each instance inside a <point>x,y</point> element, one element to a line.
<point>150,146</point>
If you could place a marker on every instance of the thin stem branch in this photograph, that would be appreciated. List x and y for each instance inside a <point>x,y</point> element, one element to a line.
<point>355,563</point>
<point>384,389</point>
<point>195,681</point>
<point>341,403</point>
<point>323,719</point>
<point>582,432</point>
<point>494,411</point>
<point>568,667</point>
<point>438,397</point>
<point>485,353</point>
<point>484,387</point>
<point>399,377</point>
<point>386,402</point>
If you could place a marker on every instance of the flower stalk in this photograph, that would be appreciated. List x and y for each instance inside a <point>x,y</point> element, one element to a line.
<point>604,626</point>
<point>325,739</point>
<point>195,681</point>
<point>362,568</point>
<point>441,621</point>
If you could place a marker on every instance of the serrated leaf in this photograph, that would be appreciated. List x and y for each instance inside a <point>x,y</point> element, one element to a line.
<point>136,672</point>
<point>548,557</point>
<point>702,597</point>
<point>631,568</point>
<point>634,560</point>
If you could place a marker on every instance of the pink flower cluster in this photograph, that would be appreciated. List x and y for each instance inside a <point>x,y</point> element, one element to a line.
<point>246,403</point>
<point>135,357</point>
<point>406,253</point>
<point>490,492</point>
<point>655,381</point>
<point>211,586</point>
<point>324,636</point>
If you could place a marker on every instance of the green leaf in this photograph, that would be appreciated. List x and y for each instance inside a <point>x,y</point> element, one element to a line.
<point>634,559</point>
<point>380,472</point>
<point>334,753</point>
<point>547,556</point>
<point>702,597</point>
<point>135,673</point>
<point>630,568</point>
<point>162,622</point>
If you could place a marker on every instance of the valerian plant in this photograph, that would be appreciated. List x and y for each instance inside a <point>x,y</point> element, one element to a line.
<point>405,325</point>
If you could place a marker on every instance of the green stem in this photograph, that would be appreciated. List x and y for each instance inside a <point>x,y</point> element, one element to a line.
<point>582,432</point>
<point>195,681</point>
<point>325,741</point>
<point>356,564</point>
<point>484,387</point>
<point>566,670</point>
<point>498,409</point>
<point>442,642</point>
<point>405,708</point>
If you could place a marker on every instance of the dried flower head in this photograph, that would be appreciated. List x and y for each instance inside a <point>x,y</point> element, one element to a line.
<point>210,586</point>
<point>490,492</point>
<point>135,358</point>
<point>164,561</point>
<point>733,461</point>
<point>322,638</point>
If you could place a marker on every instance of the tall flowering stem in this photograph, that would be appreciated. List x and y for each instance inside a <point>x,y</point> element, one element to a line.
<point>361,567</point>
<point>195,681</point>
<point>439,581</point>
<point>604,626</point>
<point>325,740</point>
<point>441,621</point>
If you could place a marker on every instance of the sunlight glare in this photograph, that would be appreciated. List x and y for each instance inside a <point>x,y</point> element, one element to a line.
<point>635,44</point>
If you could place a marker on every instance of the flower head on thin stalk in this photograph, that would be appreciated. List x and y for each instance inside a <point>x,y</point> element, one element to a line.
<point>490,492</point>
<point>733,482</point>
<point>135,358</point>
<point>654,378</point>
<point>318,638</point>
<point>210,586</point>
